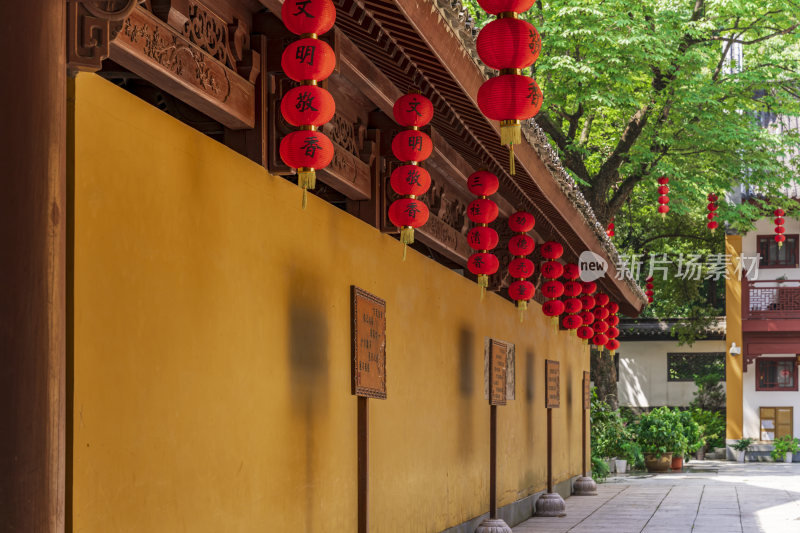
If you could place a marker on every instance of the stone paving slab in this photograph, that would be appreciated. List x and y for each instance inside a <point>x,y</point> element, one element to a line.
<point>709,497</point>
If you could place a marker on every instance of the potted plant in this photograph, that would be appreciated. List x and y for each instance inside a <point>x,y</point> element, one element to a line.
<point>740,447</point>
<point>658,434</point>
<point>692,439</point>
<point>712,430</point>
<point>784,448</point>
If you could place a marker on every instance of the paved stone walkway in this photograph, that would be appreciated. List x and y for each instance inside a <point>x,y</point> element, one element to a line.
<point>709,497</point>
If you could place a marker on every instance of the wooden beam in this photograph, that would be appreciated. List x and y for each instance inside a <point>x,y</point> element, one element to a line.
<point>152,49</point>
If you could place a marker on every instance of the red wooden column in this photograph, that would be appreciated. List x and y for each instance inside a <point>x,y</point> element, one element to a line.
<point>33,101</point>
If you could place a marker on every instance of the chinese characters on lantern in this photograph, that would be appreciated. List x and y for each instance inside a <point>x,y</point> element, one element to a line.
<point>481,237</point>
<point>520,268</point>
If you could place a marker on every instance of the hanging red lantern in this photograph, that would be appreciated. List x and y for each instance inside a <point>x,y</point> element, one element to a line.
<point>553,308</point>
<point>496,7</point>
<point>612,345</point>
<point>602,299</point>
<point>308,105</point>
<point>572,289</point>
<point>572,306</point>
<point>552,289</point>
<point>552,269</point>
<point>585,332</point>
<point>572,271</point>
<point>612,320</point>
<point>588,301</point>
<point>663,199</point>
<point>520,245</point>
<point>612,332</point>
<point>780,238</point>
<point>571,322</point>
<point>520,267</point>
<point>308,16</point>
<point>650,292</point>
<point>600,326</point>
<point>483,211</point>
<point>600,313</point>
<point>413,111</point>
<point>483,264</point>
<point>589,287</point>
<point>599,339</point>
<point>610,229</point>
<point>308,61</point>
<point>507,43</point>
<point>552,250</point>
<point>410,180</point>
<point>482,238</point>
<point>612,307</point>
<point>306,150</point>
<point>587,317</point>
<point>412,145</point>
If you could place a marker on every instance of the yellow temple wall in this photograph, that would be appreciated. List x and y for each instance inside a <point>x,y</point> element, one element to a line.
<point>211,351</point>
<point>733,365</point>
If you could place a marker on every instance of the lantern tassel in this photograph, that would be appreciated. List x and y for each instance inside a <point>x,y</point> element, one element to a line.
<point>406,237</point>
<point>522,306</point>
<point>483,282</point>
<point>663,216</point>
<point>306,180</point>
<point>554,321</point>
<point>511,159</point>
<point>780,244</point>
<point>510,133</point>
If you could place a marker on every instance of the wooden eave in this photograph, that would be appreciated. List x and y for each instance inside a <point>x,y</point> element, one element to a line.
<point>414,47</point>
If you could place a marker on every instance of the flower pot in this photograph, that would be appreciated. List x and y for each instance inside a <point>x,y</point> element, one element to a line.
<point>657,463</point>
<point>610,463</point>
<point>677,463</point>
<point>789,456</point>
<point>739,455</point>
<point>701,453</point>
<point>621,465</point>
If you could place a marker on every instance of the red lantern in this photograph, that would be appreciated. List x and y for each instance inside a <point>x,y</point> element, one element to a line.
<point>712,208</point>
<point>571,322</point>
<point>412,111</point>
<point>600,326</point>
<point>520,245</point>
<point>521,290</point>
<point>495,7</point>
<point>552,269</point>
<point>308,59</point>
<point>412,145</point>
<point>612,320</point>
<point>308,16</point>
<point>663,209</point>
<point>663,200</point>
<point>600,313</point>
<point>306,151</point>
<point>521,268</point>
<point>510,97</point>
<point>780,240</point>
<point>600,340</point>
<point>553,308</point>
<point>308,105</point>
<point>779,212</point>
<point>602,299</point>
<point>663,189</point>
<point>663,180</point>
<point>589,287</point>
<point>521,222</point>
<point>552,289</point>
<point>552,250</point>
<point>587,317</point>
<point>572,305</point>
<point>483,264</point>
<point>482,211</point>
<point>482,238</point>
<point>572,271</point>
<point>612,345</point>
<point>410,180</point>
<point>572,289</point>
<point>585,332</point>
<point>587,301</point>
<point>713,225</point>
<point>483,183</point>
<point>508,43</point>
<point>780,221</point>
<point>610,229</point>
<point>612,332</point>
<point>612,307</point>
<point>408,212</point>
<point>780,229</point>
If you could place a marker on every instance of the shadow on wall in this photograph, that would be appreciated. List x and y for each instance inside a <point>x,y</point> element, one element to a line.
<point>308,364</point>
<point>633,384</point>
<point>466,387</point>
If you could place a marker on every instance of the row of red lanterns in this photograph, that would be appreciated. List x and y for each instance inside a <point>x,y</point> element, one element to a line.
<point>663,199</point>
<point>481,237</point>
<point>779,229</point>
<point>712,212</point>
<point>307,106</point>
<point>410,180</point>
<point>509,44</point>
<point>520,268</point>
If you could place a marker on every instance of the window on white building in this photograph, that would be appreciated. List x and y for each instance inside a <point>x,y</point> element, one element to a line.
<point>773,256</point>
<point>776,422</point>
<point>776,374</point>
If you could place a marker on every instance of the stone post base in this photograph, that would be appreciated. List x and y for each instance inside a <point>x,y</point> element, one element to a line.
<point>584,486</point>
<point>551,504</point>
<point>493,525</point>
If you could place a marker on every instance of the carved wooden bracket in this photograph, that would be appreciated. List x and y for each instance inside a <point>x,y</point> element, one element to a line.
<point>91,26</point>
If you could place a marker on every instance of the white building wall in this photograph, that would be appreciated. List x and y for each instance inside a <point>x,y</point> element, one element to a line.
<point>766,226</point>
<point>643,372</point>
<point>752,400</point>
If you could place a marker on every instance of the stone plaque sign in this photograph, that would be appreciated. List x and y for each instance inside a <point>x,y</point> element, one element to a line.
<point>498,371</point>
<point>369,344</point>
<point>552,399</point>
<point>587,391</point>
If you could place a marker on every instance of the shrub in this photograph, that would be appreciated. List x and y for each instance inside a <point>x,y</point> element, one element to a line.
<point>712,427</point>
<point>784,445</point>
<point>660,431</point>
<point>599,469</point>
<point>742,444</point>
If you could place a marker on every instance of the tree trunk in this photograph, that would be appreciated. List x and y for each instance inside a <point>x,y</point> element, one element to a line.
<point>604,376</point>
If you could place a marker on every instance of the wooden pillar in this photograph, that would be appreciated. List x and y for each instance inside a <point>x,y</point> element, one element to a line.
<point>32,266</point>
